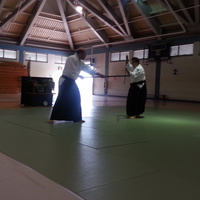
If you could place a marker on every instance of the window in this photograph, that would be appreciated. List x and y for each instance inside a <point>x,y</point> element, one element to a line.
<point>1,53</point>
<point>37,57</point>
<point>123,55</point>
<point>174,51</point>
<point>141,54</point>
<point>42,57</point>
<point>181,50</point>
<point>9,54</point>
<point>60,59</point>
<point>30,56</point>
<point>118,56</point>
<point>186,49</point>
<point>114,56</point>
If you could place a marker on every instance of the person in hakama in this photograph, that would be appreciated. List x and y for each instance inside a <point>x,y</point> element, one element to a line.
<point>137,93</point>
<point>67,106</point>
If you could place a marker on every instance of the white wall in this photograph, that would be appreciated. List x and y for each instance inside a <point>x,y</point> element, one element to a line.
<point>98,85</point>
<point>119,86</point>
<point>183,86</point>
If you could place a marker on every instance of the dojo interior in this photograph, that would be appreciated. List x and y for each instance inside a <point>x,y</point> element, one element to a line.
<point>109,157</point>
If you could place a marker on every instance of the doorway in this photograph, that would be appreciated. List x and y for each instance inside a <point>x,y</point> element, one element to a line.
<point>85,86</point>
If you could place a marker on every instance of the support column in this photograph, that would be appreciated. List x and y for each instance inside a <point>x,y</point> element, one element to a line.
<point>157,80</point>
<point>107,61</point>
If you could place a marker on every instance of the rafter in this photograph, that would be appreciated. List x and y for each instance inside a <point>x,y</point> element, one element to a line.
<point>62,12</point>
<point>16,12</point>
<point>102,23</point>
<point>178,15</point>
<point>35,13</point>
<point>196,11</point>
<point>110,11</point>
<point>122,6</point>
<point>92,24</point>
<point>100,16</point>
<point>175,15</point>
<point>2,2</point>
<point>185,11</point>
<point>144,10</point>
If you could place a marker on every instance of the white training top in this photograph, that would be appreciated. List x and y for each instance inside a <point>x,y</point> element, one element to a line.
<point>73,67</point>
<point>136,74</point>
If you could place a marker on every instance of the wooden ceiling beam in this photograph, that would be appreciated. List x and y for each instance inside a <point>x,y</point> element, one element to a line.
<point>100,16</point>
<point>92,24</point>
<point>145,11</point>
<point>65,23</point>
<point>16,12</point>
<point>196,11</point>
<point>35,13</point>
<point>2,2</point>
<point>111,13</point>
<point>122,6</point>
<point>185,11</point>
<point>179,15</point>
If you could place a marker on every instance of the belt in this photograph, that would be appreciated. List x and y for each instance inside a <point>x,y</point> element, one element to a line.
<point>139,82</point>
<point>63,76</point>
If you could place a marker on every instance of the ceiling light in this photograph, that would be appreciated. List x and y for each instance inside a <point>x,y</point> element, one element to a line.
<point>79,9</point>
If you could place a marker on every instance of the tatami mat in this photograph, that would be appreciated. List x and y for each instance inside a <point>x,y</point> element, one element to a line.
<point>105,158</point>
<point>19,182</point>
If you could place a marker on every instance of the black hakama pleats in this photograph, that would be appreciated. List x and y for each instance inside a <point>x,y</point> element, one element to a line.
<point>68,103</point>
<point>136,99</point>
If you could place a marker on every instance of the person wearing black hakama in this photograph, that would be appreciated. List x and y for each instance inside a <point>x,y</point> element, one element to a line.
<point>137,93</point>
<point>67,106</point>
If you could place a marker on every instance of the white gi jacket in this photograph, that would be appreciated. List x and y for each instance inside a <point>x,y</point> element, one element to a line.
<point>137,74</point>
<point>73,67</point>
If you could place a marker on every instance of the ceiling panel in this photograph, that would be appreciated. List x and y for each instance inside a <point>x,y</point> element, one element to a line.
<point>102,23</point>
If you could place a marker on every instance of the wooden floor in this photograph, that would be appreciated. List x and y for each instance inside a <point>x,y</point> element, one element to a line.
<point>107,158</point>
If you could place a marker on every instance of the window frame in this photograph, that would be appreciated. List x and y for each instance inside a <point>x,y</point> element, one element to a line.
<point>36,57</point>
<point>62,59</point>
<point>177,53</point>
<point>120,56</point>
<point>6,57</point>
<point>145,53</point>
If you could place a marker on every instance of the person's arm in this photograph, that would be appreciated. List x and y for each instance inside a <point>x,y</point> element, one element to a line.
<point>128,67</point>
<point>86,68</point>
<point>100,75</point>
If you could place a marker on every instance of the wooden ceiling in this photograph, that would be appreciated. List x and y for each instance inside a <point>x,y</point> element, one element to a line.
<point>57,24</point>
